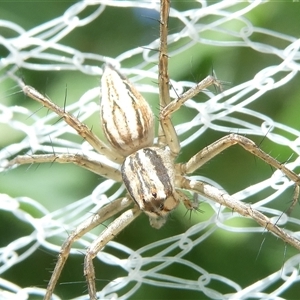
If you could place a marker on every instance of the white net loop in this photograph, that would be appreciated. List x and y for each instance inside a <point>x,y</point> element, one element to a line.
<point>221,25</point>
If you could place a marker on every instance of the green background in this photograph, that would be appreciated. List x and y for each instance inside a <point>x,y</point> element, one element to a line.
<point>242,258</point>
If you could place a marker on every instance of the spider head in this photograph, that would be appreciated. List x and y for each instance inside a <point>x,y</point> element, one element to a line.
<point>148,175</point>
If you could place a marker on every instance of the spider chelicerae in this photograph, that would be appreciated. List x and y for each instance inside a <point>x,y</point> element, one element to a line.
<point>153,180</point>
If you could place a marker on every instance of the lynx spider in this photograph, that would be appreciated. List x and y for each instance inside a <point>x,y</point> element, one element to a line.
<point>157,179</point>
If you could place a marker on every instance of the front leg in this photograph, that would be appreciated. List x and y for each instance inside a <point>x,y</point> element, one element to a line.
<point>101,216</point>
<point>107,235</point>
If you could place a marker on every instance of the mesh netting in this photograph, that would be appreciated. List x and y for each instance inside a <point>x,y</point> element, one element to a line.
<point>212,254</point>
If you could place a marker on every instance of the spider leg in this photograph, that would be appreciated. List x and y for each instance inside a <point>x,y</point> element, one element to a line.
<point>81,128</point>
<point>112,230</point>
<point>165,115</point>
<point>227,141</point>
<point>163,76</point>
<point>77,159</point>
<point>103,214</point>
<point>222,198</point>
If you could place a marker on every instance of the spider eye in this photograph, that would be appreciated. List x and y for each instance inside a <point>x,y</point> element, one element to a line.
<point>154,195</point>
<point>161,207</point>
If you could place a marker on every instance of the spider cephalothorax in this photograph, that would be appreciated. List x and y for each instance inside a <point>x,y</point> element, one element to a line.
<point>148,175</point>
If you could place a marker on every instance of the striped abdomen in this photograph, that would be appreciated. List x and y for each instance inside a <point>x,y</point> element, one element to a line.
<point>127,119</point>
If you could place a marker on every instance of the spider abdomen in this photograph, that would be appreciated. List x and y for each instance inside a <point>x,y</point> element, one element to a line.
<point>127,119</point>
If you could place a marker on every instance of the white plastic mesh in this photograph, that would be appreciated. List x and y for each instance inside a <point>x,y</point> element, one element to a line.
<point>216,254</point>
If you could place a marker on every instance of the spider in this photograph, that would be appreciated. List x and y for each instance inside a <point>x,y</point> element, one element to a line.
<point>153,180</point>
